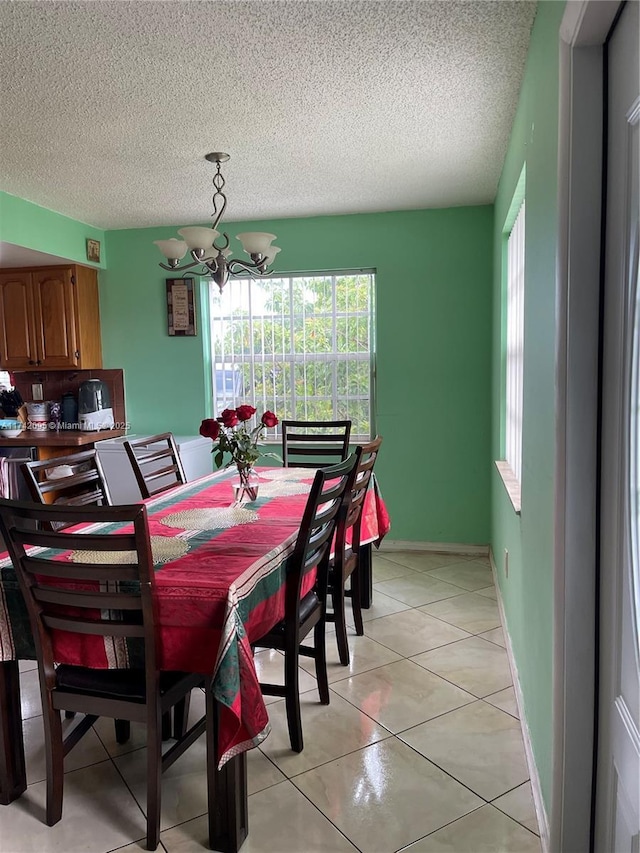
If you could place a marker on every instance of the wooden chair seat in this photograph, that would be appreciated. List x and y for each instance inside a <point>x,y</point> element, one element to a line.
<point>127,684</point>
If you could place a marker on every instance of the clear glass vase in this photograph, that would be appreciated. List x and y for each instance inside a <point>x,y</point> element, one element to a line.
<point>246,486</point>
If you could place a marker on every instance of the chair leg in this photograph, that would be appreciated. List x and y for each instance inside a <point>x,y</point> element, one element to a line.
<point>321,661</point>
<point>155,724</point>
<point>166,725</point>
<point>55,762</point>
<point>123,730</point>
<point>356,600</point>
<point>292,699</point>
<point>337,602</point>
<point>180,716</point>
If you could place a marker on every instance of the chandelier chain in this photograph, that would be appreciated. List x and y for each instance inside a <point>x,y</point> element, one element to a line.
<point>218,183</point>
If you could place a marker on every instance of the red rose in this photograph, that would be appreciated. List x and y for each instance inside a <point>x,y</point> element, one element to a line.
<point>269,419</point>
<point>229,418</point>
<point>210,428</point>
<point>245,412</point>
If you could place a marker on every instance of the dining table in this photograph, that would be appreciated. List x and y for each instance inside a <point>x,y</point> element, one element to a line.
<point>219,578</point>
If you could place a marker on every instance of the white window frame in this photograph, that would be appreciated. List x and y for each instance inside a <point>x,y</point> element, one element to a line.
<point>226,360</point>
<point>515,345</point>
<point>514,274</point>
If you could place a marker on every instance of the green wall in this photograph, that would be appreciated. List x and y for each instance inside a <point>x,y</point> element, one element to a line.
<point>527,592</point>
<point>433,277</point>
<point>26,224</point>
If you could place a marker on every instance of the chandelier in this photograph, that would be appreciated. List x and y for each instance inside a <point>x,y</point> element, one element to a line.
<point>214,258</point>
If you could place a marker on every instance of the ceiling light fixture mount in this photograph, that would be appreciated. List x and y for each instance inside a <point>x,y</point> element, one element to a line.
<point>212,258</point>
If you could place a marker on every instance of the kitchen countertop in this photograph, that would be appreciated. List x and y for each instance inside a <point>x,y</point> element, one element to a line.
<point>59,438</point>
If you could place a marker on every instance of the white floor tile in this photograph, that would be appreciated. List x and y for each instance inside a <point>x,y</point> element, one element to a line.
<point>518,804</point>
<point>476,665</point>
<point>385,796</point>
<point>280,819</point>
<point>401,694</point>
<point>485,830</point>
<point>98,814</point>
<point>88,751</point>
<point>479,745</point>
<point>505,700</point>
<point>184,784</point>
<point>329,732</point>
<point>30,694</point>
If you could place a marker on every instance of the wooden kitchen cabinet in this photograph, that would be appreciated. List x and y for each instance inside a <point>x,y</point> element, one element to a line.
<point>49,318</point>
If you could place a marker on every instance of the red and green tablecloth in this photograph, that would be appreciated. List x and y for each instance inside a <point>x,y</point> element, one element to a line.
<point>219,580</point>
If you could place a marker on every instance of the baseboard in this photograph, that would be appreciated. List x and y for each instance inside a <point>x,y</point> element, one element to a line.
<point>541,814</point>
<point>436,547</point>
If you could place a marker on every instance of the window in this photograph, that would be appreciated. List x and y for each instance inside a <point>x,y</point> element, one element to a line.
<point>512,338</point>
<point>513,347</point>
<point>515,341</point>
<point>300,345</point>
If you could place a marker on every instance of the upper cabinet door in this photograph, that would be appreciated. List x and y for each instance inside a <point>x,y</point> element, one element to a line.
<point>17,332</point>
<point>54,316</point>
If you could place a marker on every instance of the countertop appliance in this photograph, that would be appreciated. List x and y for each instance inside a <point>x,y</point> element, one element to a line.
<point>69,410</point>
<point>194,451</point>
<point>94,406</point>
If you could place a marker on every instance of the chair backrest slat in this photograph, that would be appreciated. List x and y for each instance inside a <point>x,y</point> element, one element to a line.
<point>82,598</point>
<point>63,541</point>
<point>144,455</point>
<point>104,628</point>
<point>328,440</point>
<point>162,472</point>
<point>94,572</point>
<point>68,483</point>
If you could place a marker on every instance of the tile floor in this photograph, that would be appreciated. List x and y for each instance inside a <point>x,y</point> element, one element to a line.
<point>419,750</point>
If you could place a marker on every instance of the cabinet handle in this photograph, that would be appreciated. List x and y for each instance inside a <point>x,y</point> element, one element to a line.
<point>77,353</point>
<point>31,361</point>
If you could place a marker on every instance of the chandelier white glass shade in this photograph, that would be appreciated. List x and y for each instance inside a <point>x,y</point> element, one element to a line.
<point>213,257</point>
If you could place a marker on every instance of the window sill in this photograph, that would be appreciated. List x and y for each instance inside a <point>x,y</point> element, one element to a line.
<point>511,484</point>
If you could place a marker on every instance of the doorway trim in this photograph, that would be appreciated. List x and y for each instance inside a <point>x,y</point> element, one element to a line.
<point>583,32</point>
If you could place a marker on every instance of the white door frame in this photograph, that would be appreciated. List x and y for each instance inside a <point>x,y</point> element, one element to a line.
<point>583,31</point>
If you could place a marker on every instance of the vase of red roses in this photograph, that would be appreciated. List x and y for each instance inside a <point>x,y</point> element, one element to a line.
<point>232,433</point>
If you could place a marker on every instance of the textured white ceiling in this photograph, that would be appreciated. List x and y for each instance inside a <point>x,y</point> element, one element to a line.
<point>108,108</point>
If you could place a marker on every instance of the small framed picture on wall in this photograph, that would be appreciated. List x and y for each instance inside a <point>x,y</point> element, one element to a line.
<point>181,306</point>
<point>93,251</point>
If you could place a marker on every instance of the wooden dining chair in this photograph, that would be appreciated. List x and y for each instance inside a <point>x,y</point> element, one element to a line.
<point>73,480</point>
<point>345,562</point>
<point>314,444</point>
<point>302,614</point>
<point>78,480</point>
<point>104,594</point>
<point>156,463</point>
